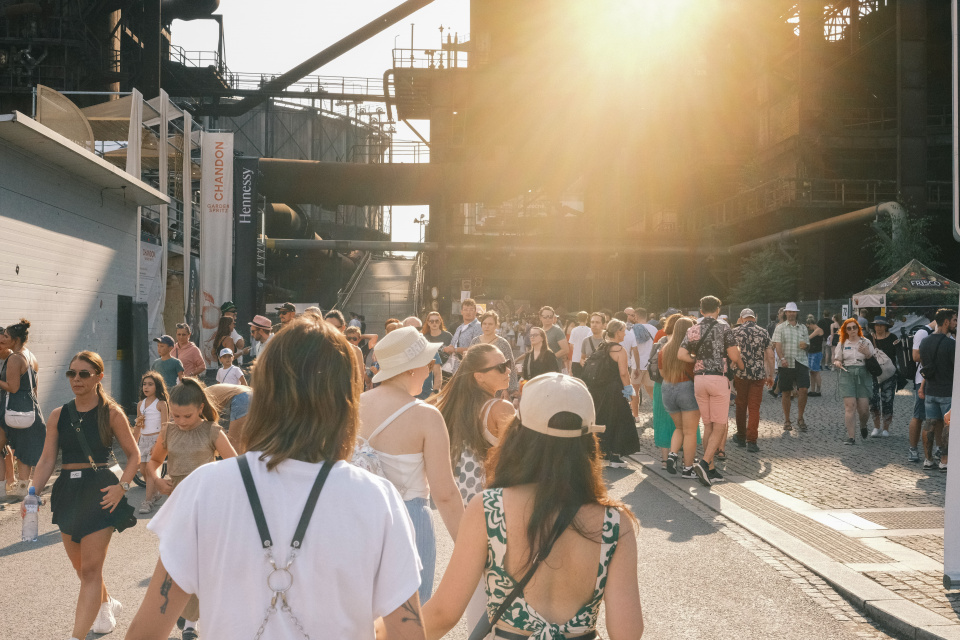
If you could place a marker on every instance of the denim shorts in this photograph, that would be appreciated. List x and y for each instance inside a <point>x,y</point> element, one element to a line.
<point>239,405</point>
<point>919,404</point>
<point>937,406</point>
<point>814,360</point>
<point>426,541</point>
<point>679,397</point>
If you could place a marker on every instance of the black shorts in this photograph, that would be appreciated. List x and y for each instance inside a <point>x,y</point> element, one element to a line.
<point>797,376</point>
<point>75,503</point>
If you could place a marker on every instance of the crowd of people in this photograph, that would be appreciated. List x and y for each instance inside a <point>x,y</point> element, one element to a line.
<point>481,422</point>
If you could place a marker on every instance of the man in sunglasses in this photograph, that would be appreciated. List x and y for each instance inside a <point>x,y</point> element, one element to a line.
<point>286,312</point>
<point>465,333</point>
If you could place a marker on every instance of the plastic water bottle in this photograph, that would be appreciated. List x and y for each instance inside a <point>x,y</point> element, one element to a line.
<point>31,520</point>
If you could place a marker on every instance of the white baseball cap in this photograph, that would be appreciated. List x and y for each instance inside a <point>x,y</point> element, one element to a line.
<point>551,393</point>
<point>791,306</point>
<point>226,351</point>
<point>401,350</point>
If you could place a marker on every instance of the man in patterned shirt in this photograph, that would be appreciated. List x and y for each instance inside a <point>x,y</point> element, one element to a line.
<point>709,345</point>
<point>465,333</point>
<point>757,353</point>
<point>790,339</point>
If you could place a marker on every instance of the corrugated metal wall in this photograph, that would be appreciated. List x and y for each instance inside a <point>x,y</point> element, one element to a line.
<point>67,251</point>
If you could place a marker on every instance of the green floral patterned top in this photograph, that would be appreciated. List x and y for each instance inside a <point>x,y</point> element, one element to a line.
<point>499,583</point>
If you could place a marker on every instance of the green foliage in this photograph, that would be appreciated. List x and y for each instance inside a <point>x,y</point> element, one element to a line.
<point>913,241</point>
<point>768,274</point>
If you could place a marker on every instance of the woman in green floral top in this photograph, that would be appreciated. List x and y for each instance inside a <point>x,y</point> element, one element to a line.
<point>504,528</point>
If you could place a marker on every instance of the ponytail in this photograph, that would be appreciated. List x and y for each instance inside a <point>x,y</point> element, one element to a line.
<point>193,393</point>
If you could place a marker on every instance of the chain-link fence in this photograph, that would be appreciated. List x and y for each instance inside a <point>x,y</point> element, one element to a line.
<point>767,311</point>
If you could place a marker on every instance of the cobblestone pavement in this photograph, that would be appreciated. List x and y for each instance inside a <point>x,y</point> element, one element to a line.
<point>817,467</point>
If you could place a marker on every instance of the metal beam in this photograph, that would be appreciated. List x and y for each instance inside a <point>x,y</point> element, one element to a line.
<point>280,93</point>
<point>310,65</point>
<point>377,245</point>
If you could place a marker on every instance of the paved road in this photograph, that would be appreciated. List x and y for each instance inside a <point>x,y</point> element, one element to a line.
<point>699,574</point>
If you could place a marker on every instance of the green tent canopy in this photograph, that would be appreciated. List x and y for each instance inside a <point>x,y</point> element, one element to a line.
<point>915,285</point>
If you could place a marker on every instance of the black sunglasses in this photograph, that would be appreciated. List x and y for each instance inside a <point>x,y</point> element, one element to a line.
<point>83,373</point>
<point>502,367</point>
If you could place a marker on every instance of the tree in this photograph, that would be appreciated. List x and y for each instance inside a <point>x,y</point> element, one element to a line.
<point>912,240</point>
<point>768,274</point>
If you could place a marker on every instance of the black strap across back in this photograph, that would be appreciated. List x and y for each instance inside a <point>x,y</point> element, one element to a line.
<point>254,498</point>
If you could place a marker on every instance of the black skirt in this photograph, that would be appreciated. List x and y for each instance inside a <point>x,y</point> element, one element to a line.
<point>75,503</point>
<point>27,444</point>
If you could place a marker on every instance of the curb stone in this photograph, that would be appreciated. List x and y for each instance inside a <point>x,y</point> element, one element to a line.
<point>892,612</point>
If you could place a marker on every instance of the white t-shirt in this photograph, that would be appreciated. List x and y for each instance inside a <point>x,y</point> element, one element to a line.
<point>358,561</point>
<point>628,343</point>
<point>230,376</point>
<point>577,335</point>
<point>236,337</point>
<point>917,339</point>
<point>646,347</point>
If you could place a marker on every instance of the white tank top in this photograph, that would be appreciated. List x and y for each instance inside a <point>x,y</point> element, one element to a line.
<point>404,470</point>
<point>151,417</point>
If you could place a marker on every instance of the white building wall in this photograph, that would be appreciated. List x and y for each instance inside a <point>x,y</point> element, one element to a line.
<point>67,251</point>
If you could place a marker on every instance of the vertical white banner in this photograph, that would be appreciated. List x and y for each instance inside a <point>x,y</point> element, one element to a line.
<point>187,181</point>
<point>216,234</point>
<point>150,287</point>
<point>951,507</point>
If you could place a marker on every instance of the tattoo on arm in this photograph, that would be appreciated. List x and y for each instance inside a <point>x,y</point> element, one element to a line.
<point>165,592</point>
<point>410,614</point>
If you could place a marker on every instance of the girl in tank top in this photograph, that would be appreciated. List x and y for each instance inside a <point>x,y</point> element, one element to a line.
<point>190,440</point>
<point>151,416</point>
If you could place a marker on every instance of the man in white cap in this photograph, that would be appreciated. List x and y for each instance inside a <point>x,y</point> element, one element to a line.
<point>790,339</point>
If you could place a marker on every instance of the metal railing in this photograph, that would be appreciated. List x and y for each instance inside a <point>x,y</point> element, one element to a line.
<point>380,305</point>
<point>429,59</point>
<point>320,84</point>
<point>347,291</point>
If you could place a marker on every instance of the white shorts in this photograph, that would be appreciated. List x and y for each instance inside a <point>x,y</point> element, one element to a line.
<point>146,445</point>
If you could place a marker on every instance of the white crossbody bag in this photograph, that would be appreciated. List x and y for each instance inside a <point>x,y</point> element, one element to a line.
<point>21,419</point>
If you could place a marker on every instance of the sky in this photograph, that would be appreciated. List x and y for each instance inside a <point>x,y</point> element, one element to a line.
<point>274,39</point>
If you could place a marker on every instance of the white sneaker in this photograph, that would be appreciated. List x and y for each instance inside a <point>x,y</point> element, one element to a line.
<point>107,618</point>
<point>884,434</point>
<point>145,507</point>
<point>875,433</point>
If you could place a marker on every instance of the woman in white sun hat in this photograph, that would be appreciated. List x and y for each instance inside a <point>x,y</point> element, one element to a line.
<point>410,441</point>
<point>567,542</point>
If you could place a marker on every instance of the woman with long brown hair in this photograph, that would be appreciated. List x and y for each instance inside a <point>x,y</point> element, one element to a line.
<point>489,323</point>
<point>222,339</point>
<point>551,533</point>
<point>679,400</point>
<point>353,557</point>
<point>538,359</point>
<point>473,415</point>
<point>87,500</point>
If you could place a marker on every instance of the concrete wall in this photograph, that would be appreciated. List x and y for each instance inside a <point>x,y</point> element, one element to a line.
<point>67,251</point>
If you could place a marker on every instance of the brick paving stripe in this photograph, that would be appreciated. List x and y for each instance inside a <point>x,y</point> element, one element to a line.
<point>836,545</point>
<point>932,519</point>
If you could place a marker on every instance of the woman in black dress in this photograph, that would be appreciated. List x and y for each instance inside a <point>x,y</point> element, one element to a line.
<point>539,358</point>
<point>611,390</point>
<point>18,382</point>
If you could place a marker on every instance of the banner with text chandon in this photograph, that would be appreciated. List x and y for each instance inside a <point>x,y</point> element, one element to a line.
<point>216,235</point>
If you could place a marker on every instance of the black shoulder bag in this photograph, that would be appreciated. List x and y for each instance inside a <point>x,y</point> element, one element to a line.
<point>485,625</point>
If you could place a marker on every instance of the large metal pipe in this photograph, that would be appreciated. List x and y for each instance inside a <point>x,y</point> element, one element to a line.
<point>310,65</point>
<point>376,245</point>
<point>892,209</point>
<point>382,184</point>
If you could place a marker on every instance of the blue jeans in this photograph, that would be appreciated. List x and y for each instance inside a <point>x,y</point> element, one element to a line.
<point>419,510</point>
<point>937,406</point>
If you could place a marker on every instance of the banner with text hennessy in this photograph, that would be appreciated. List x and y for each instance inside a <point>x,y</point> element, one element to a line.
<point>216,234</point>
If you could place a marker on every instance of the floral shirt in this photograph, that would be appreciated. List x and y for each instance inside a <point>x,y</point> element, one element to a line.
<point>708,343</point>
<point>753,341</point>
